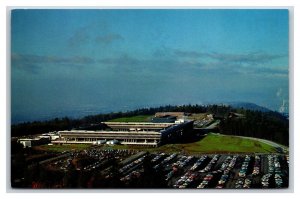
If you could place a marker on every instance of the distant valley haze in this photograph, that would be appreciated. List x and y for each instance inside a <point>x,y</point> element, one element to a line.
<point>82,62</point>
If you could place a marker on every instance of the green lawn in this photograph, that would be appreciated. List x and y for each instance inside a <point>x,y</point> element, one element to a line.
<point>221,143</point>
<point>61,148</point>
<point>197,116</point>
<point>138,118</point>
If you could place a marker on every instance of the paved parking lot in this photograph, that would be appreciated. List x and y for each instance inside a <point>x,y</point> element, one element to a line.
<point>222,171</point>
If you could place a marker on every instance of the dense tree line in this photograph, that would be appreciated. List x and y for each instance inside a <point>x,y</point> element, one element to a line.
<point>267,125</point>
<point>37,127</point>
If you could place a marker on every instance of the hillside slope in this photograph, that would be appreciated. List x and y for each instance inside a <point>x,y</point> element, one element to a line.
<point>214,143</point>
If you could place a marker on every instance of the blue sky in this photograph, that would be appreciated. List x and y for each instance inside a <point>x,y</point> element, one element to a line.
<point>77,62</point>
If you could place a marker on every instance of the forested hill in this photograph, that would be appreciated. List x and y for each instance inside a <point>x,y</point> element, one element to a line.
<point>247,105</point>
<point>268,125</point>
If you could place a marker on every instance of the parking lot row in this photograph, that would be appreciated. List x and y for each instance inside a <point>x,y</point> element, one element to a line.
<point>182,171</point>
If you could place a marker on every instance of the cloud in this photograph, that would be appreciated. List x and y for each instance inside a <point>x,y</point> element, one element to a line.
<point>84,35</point>
<point>191,54</point>
<point>26,63</point>
<point>230,65</point>
<point>108,38</point>
<point>250,58</point>
<point>266,71</point>
<point>219,63</point>
<point>123,60</point>
<point>36,59</point>
<point>32,63</point>
<point>162,52</point>
<point>80,37</point>
<point>253,63</point>
<point>151,66</point>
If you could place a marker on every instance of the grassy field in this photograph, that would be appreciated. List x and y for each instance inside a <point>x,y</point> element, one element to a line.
<point>213,143</point>
<point>61,148</point>
<point>197,116</point>
<point>138,118</point>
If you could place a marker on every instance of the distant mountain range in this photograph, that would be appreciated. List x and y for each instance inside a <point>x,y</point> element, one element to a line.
<point>248,105</point>
<point>79,113</point>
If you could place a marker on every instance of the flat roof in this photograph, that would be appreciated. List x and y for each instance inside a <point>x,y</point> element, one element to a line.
<point>110,132</point>
<point>138,123</point>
